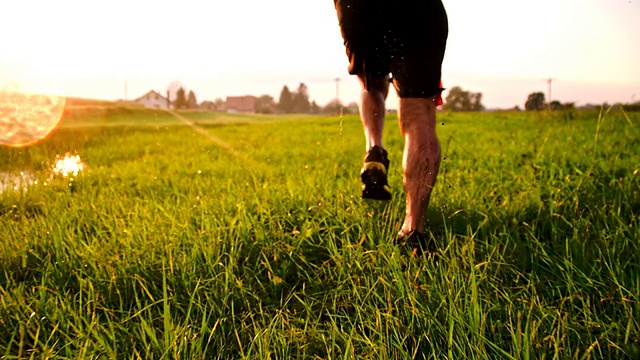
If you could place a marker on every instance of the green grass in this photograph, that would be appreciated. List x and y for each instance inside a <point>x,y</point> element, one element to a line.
<point>246,238</point>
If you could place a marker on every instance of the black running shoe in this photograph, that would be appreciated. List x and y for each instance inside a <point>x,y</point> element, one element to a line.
<point>417,243</point>
<point>374,175</point>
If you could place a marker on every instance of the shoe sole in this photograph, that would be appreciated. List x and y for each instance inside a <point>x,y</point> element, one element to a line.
<point>374,181</point>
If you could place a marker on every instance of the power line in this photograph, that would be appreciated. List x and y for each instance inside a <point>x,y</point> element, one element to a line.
<point>549,81</point>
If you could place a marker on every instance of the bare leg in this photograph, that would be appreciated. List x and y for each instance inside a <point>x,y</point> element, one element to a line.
<point>372,109</point>
<point>421,160</point>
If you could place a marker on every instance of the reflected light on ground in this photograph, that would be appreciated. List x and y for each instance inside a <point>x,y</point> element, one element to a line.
<point>65,166</point>
<point>68,165</point>
<point>16,182</point>
<point>28,118</point>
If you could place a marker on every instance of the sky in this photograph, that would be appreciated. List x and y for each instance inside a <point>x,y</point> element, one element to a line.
<point>505,49</point>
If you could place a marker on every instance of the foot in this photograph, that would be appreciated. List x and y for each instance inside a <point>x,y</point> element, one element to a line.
<point>374,175</point>
<point>417,243</point>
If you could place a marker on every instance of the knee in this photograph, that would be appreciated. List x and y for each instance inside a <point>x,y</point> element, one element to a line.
<point>417,117</point>
<point>377,86</point>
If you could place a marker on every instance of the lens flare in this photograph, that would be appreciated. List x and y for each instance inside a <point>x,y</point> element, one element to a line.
<point>28,118</point>
<point>68,165</point>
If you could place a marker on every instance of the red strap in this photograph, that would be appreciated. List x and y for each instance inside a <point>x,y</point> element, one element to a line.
<point>439,99</point>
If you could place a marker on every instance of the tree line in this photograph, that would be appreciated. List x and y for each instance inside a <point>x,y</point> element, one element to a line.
<point>184,101</point>
<point>289,102</point>
<point>462,100</point>
<point>297,102</point>
<point>536,101</point>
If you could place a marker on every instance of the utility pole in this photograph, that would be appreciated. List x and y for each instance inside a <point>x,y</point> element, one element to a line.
<point>337,89</point>
<point>549,81</point>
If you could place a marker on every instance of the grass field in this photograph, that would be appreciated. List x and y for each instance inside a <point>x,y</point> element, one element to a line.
<point>245,237</point>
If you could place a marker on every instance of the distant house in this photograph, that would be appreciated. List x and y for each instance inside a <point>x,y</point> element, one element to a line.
<point>153,100</point>
<point>241,104</point>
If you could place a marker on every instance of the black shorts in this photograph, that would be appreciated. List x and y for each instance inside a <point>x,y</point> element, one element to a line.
<point>406,38</point>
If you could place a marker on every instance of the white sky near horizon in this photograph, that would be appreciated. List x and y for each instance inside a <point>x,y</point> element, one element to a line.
<point>502,48</point>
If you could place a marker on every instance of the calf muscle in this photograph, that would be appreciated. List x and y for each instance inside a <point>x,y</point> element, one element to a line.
<point>372,109</point>
<point>421,159</point>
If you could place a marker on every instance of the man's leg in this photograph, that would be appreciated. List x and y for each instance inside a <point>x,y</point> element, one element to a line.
<point>421,159</point>
<point>372,112</point>
<point>421,29</point>
<point>372,109</point>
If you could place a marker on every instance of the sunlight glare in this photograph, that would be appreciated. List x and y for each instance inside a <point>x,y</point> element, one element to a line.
<point>69,164</point>
<point>28,118</point>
